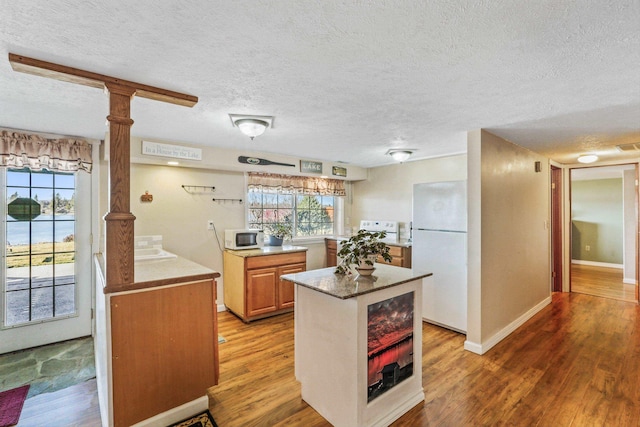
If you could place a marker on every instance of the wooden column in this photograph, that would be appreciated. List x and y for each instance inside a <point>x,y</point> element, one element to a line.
<point>119,219</point>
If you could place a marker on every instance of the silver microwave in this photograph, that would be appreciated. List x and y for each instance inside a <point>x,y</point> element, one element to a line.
<point>243,239</point>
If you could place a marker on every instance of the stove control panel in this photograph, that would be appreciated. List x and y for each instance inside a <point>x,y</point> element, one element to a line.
<point>388,226</point>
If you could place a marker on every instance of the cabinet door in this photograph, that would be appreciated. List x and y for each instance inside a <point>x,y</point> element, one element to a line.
<point>331,247</point>
<point>261,291</point>
<point>286,288</point>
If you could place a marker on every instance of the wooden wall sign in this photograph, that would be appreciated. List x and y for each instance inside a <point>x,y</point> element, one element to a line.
<point>168,150</point>
<point>310,166</point>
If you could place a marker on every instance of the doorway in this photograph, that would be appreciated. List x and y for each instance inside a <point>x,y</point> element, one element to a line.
<point>45,262</point>
<point>604,256</point>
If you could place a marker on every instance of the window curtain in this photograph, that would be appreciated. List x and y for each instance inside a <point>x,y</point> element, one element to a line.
<point>288,184</point>
<point>37,152</point>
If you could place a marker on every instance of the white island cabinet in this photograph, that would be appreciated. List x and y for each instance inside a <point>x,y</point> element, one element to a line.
<point>358,344</point>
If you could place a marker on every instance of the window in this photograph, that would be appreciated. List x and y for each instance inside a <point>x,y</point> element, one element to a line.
<point>40,247</point>
<point>310,215</point>
<point>309,204</point>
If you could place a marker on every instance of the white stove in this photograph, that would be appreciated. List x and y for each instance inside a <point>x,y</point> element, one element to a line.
<point>391,227</point>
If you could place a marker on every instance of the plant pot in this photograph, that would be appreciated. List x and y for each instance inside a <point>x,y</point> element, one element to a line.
<point>365,271</point>
<point>275,241</point>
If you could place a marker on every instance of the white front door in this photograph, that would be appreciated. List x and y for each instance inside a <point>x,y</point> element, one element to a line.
<point>45,265</point>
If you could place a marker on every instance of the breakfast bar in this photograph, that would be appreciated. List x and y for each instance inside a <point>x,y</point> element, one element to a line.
<point>358,343</point>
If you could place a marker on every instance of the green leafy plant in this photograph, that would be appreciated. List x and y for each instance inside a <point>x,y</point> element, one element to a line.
<point>361,248</point>
<point>280,230</point>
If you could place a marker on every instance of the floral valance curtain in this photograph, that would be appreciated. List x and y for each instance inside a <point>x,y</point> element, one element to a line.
<point>37,152</point>
<point>288,184</point>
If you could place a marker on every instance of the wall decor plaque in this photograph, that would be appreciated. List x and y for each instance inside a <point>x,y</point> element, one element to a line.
<point>339,171</point>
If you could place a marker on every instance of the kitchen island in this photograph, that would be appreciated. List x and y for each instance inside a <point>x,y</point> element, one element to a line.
<point>358,343</point>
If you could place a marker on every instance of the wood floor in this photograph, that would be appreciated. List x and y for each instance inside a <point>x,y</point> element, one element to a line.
<point>576,363</point>
<point>73,406</point>
<point>601,282</point>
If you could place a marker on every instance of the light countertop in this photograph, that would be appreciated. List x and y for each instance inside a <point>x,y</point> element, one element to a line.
<point>161,272</point>
<point>177,268</point>
<point>267,250</point>
<point>343,286</point>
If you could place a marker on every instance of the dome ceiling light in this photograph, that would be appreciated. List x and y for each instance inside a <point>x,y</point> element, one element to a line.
<point>587,158</point>
<point>400,154</point>
<point>251,126</point>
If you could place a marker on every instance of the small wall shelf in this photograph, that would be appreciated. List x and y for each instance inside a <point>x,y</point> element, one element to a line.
<point>199,189</point>
<point>228,200</point>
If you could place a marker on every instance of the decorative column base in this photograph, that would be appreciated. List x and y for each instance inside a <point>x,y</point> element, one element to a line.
<point>119,241</point>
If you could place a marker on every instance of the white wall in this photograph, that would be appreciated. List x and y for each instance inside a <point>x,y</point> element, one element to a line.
<point>388,192</point>
<point>509,238</point>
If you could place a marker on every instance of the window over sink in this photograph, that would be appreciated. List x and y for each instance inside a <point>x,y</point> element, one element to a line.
<point>310,205</point>
<point>308,215</point>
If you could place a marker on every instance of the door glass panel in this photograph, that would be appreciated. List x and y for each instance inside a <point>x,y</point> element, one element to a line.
<point>18,300</point>
<point>41,307</point>
<point>39,246</point>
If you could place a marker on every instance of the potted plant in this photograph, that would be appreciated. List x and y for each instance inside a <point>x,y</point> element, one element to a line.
<point>361,251</point>
<point>277,232</point>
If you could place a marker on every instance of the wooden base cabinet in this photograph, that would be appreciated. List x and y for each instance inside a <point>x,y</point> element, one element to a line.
<point>252,285</point>
<point>401,255</point>
<point>331,247</point>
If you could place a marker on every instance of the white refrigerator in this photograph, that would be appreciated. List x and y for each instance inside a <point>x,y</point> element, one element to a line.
<point>439,246</point>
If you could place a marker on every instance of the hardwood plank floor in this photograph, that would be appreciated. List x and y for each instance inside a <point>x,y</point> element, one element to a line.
<point>601,282</point>
<point>70,407</point>
<point>576,363</point>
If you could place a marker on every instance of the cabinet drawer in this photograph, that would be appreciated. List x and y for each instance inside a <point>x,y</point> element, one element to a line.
<point>395,251</point>
<point>275,260</point>
<point>397,261</point>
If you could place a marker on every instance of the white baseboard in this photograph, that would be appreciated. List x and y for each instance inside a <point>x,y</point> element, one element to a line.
<point>175,415</point>
<point>488,344</point>
<point>400,410</point>
<point>629,281</point>
<point>473,347</point>
<point>221,307</point>
<point>596,263</point>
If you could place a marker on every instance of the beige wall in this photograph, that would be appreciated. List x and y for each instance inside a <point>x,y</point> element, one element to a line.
<point>180,217</point>
<point>388,192</point>
<point>509,266</point>
<point>597,220</point>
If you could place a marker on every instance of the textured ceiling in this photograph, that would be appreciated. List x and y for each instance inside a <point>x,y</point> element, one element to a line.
<point>345,80</point>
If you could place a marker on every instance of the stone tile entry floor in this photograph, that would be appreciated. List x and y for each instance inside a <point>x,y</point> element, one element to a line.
<point>48,368</point>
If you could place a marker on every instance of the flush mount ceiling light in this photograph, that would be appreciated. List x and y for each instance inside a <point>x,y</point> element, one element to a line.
<point>251,126</point>
<point>587,158</point>
<point>400,154</point>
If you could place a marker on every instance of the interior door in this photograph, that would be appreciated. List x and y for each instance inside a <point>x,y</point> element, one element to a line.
<point>556,228</point>
<point>45,264</point>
